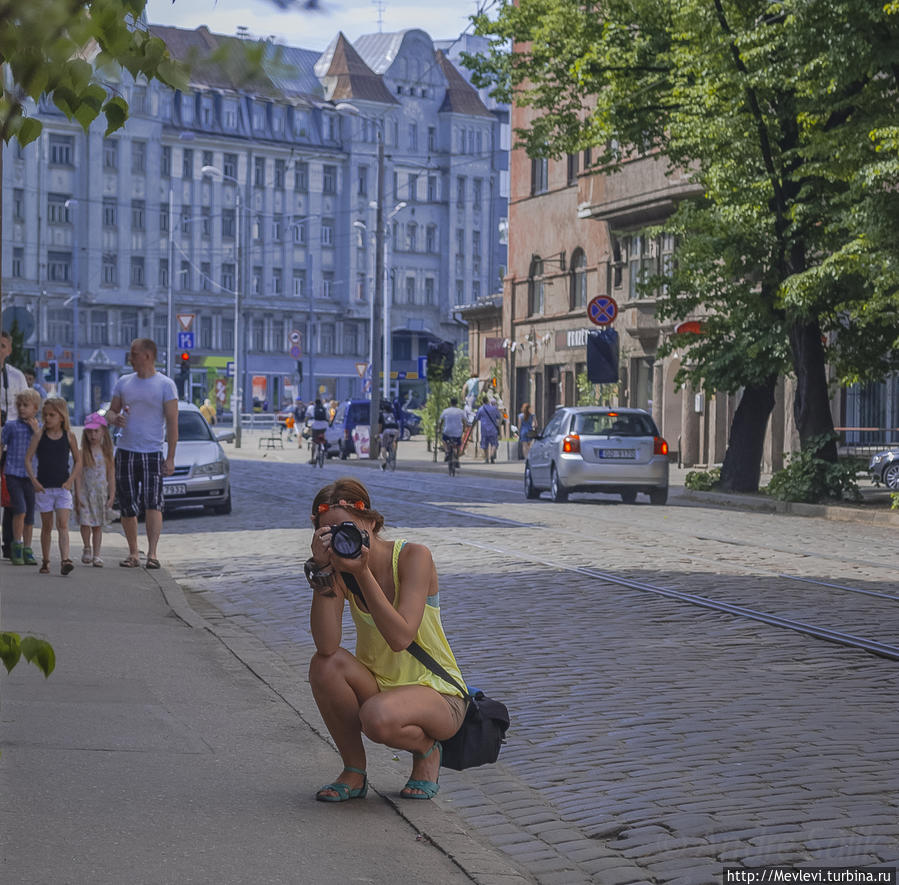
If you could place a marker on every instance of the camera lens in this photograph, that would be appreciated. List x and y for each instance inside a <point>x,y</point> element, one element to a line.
<point>347,540</point>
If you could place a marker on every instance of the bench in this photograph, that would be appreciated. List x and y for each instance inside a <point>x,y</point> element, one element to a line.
<point>273,440</point>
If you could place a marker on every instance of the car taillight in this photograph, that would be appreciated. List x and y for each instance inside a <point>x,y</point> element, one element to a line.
<point>571,443</point>
<point>659,446</point>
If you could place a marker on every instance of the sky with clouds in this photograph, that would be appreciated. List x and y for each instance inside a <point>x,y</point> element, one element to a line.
<point>314,30</point>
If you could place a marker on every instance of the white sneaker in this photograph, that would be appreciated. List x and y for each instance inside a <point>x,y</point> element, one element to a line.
<point>86,556</point>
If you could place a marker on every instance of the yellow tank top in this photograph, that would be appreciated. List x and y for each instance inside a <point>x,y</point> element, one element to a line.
<point>392,668</point>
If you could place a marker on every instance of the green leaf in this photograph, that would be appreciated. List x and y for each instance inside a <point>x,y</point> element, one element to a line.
<point>10,650</point>
<point>29,130</point>
<point>116,111</point>
<point>40,653</point>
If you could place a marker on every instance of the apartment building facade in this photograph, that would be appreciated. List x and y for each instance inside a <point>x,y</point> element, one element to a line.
<point>256,194</point>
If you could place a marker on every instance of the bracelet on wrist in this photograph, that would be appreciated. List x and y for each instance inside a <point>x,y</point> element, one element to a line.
<point>318,575</point>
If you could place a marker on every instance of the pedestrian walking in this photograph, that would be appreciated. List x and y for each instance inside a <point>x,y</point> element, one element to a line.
<point>55,449</point>
<point>12,382</point>
<point>145,404</point>
<point>16,439</point>
<point>490,418</point>
<point>95,488</point>
<point>527,426</point>
<point>299,419</point>
<point>380,691</point>
<point>207,410</point>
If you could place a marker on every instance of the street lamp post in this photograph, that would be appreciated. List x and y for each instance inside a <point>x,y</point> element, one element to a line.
<point>236,386</point>
<point>170,335</point>
<point>388,298</point>
<point>76,310</point>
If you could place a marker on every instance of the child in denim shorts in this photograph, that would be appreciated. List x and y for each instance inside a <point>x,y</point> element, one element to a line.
<point>16,438</point>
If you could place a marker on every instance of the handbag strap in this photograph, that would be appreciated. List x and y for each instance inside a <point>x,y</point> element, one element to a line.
<point>423,657</point>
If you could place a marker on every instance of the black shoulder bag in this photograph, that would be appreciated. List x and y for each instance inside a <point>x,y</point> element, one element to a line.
<point>483,731</point>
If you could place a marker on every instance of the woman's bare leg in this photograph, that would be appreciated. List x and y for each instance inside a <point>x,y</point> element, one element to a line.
<point>340,686</point>
<point>46,534</point>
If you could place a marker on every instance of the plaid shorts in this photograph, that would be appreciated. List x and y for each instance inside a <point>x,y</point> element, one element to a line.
<point>138,479</point>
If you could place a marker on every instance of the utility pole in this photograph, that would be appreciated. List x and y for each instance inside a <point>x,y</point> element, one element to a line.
<point>377,307</point>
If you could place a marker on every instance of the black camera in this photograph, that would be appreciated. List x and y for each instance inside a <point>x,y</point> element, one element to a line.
<point>347,540</point>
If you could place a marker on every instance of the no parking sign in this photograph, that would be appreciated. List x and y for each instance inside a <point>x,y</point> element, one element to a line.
<point>602,310</point>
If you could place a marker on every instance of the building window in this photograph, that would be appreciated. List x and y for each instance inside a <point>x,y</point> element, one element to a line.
<point>138,157</point>
<point>137,215</point>
<point>477,192</point>
<point>410,290</point>
<point>164,219</point>
<point>127,327</point>
<point>301,177</point>
<point>572,169</point>
<point>228,277</point>
<point>578,297</point>
<point>206,221</point>
<point>476,243</point>
<point>299,283</point>
<point>328,285</point>
<point>228,333</point>
<point>207,158</point>
<point>412,186</point>
<point>205,276</point>
<point>18,211</point>
<point>361,293</point>
<point>460,242</point>
<point>257,280</point>
<point>460,190</point>
<point>184,280</point>
<point>164,272</point>
<point>460,291</point>
<point>110,269</point>
<point>110,212</point>
<point>350,339</point>
<point>57,211</point>
<point>165,162</point>
<point>432,188</point>
<point>110,153</point>
<point>207,111</point>
<point>59,267</point>
<point>588,158</point>
<point>230,116</point>
<point>62,150</point>
<point>536,288</point>
<point>412,236</point>
<point>99,327</point>
<point>258,334</point>
<point>206,332</point>
<point>539,175</point>
<point>279,175</point>
<point>413,137</point>
<point>277,276</point>
<point>429,291</point>
<point>59,322</point>
<point>432,139</point>
<point>299,231</point>
<point>229,223</point>
<point>138,103</point>
<point>431,238</point>
<point>326,337</point>
<point>185,221</point>
<point>137,271</point>
<point>327,232</point>
<point>329,179</point>
<point>362,188</point>
<point>18,262</point>
<point>229,165</point>
<point>258,228</point>
<point>259,172</point>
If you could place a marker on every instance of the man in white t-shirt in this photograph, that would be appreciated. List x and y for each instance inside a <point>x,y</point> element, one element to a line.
<point>145,404</point>
<point>452,423</point>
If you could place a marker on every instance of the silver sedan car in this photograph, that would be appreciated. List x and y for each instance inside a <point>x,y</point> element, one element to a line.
<point>593,449</point>
<point>202,471</point>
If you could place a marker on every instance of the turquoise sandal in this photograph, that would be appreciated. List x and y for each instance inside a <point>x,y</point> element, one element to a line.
<point>343,790</point>
<point>428,789</point>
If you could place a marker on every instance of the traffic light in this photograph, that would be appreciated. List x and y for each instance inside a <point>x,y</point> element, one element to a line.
<point>183,372</point>
<point>441,357</point>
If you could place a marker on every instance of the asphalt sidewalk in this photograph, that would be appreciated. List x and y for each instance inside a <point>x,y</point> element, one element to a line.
<point>413,455</point>
<point>159,753</point>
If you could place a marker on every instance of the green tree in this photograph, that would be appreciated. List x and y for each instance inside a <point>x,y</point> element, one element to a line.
<point>439,393</point>
<point>783,115</point>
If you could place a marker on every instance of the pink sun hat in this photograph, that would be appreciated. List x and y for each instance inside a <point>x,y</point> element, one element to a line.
<point>94,421</point>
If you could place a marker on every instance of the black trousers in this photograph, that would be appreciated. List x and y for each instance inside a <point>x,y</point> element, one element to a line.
<point>7,531</point>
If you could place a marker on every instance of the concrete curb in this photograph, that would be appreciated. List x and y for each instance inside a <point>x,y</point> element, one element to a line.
<point>436,821</point>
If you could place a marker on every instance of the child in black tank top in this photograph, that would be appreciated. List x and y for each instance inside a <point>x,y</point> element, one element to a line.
<point>53,446</point>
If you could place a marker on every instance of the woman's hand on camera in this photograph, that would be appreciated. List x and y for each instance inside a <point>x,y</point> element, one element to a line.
<point>355,565</point>
<point>321,545</point>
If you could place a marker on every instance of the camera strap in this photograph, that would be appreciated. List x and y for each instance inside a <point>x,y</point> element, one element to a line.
<point>353,585</point>
<point>437,669</point>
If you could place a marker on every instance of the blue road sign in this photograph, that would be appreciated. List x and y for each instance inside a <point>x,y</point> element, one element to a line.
<point>602,310</point>
<point>229,369</point>
<point>185,340</point>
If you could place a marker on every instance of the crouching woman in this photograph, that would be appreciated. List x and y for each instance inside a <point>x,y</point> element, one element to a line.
<point>381,691</point>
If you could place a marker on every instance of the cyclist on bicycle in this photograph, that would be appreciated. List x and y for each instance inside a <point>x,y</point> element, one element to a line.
<point>317,419</point>
<point>452,422</point>
<point>389,432</point>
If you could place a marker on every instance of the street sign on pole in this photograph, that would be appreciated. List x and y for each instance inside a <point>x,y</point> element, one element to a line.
<point>185,321</point>
<point>360,369</point>
<point>229,368</point>
<point>295,352</point>
<point>602,310</point>
<point>295,337</point>
<point>185,340</point>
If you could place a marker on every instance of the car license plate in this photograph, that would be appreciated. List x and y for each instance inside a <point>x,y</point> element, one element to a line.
<point>616,454</point>
<point>168,490</point>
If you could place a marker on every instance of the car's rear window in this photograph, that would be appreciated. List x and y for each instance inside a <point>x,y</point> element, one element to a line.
<point>359,413</point>
<point>613,424</point>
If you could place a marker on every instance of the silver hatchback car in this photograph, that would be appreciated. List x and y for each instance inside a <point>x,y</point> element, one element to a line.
<point>593,449</point>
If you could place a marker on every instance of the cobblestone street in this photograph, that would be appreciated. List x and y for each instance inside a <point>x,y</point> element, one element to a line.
<point>652,741</point>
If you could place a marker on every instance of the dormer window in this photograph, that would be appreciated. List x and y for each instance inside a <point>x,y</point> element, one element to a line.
<point>399,90</point>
